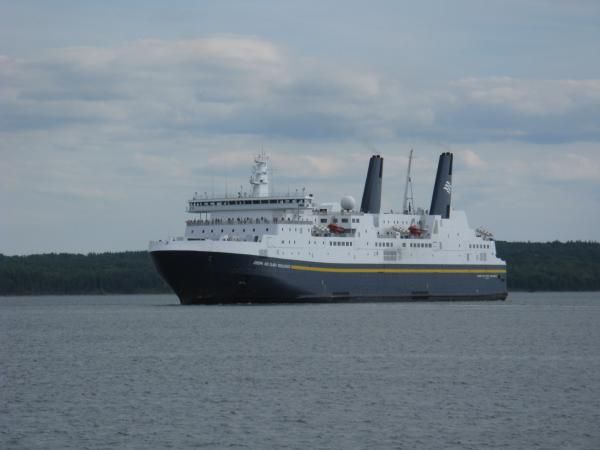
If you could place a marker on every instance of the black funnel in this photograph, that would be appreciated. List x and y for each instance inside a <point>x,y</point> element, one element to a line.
<point>442,190</point>
<point>371,199</point>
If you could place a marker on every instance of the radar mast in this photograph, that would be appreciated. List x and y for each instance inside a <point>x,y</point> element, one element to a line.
<point>260,176</point>
<point>408,206</point>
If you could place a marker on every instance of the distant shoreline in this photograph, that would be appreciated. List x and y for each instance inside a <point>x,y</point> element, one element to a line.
<point>532,267</point>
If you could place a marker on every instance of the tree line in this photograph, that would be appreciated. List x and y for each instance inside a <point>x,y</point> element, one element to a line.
<point>552,266</point>
<point>66,273</point>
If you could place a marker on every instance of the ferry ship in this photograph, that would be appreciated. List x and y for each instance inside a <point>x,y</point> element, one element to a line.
<point>262,247</point>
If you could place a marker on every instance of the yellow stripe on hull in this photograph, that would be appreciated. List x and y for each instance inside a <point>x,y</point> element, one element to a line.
<point>385,270</point>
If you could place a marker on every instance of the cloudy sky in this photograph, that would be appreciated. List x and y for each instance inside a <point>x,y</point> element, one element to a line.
<point>113,113</point>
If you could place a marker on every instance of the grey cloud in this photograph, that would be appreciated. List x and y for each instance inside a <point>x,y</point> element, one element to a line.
<point>248,86</point>
<point>476,123</point>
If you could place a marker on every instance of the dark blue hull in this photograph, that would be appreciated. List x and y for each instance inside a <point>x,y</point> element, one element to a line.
<point>209,278</point>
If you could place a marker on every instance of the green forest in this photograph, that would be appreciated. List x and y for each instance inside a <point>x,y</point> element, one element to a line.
<point>66,273</point>
<point>552,266</point>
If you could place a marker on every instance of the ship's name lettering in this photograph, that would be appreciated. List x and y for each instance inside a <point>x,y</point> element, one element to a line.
<point>271,264</point>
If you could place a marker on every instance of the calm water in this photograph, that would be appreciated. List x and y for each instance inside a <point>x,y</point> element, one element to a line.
<point>141,372</point>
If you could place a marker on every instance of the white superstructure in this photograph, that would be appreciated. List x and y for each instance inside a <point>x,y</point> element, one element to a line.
<point>293,227</point>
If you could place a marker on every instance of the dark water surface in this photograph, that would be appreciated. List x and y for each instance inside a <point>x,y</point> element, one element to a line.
<point>141,372</point>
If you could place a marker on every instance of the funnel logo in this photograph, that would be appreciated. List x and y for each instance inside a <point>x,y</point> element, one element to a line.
<point>448,187</point>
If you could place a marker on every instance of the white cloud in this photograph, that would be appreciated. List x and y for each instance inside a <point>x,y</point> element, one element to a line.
<point>471,159</point>
<point>531,97</point>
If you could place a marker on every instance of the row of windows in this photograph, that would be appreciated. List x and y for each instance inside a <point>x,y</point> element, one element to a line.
<point>232,230</point>
<point>383,244</point>
<point>248,202</point>
<point>420,245</point>
<point>344,220</point>
<point>479,245</point>
<point>340,244</point>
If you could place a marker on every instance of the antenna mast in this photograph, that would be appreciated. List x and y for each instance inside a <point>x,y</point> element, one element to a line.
<point>408,205</point>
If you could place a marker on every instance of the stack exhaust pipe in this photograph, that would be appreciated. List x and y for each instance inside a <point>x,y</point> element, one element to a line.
<point>371,199</point>
<point>442,190</point>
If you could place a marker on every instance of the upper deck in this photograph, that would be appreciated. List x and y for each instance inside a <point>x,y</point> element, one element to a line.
<point>259,200</point>
<point>250,203</point>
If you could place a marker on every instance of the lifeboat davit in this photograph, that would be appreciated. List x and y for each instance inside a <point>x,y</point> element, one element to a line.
<point>415,230</point>
<point>336,228</point>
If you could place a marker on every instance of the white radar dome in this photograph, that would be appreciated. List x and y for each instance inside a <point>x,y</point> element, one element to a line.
<point>348,203</point>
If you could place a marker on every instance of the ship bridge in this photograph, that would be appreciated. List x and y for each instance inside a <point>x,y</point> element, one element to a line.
<point>244,203</point>
<point>259,200</point>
